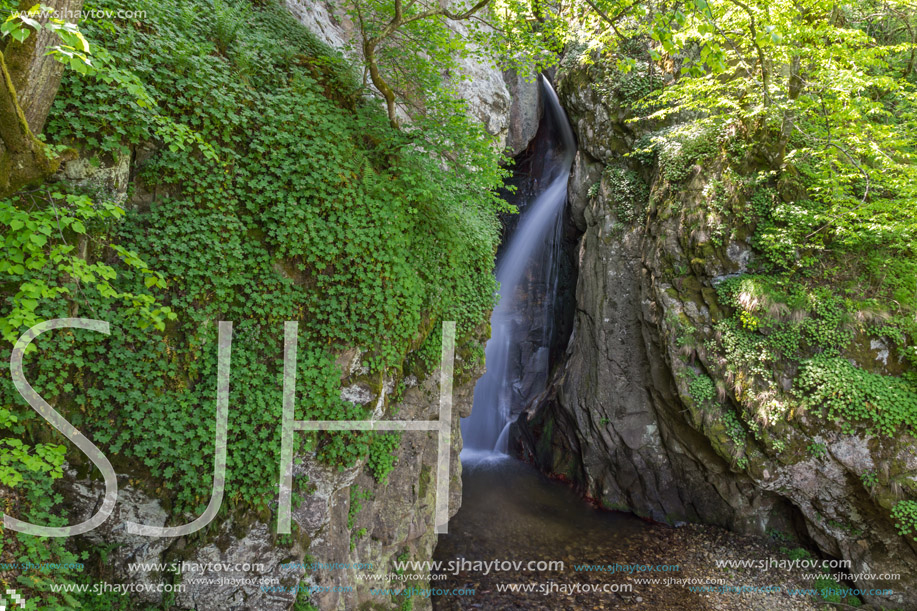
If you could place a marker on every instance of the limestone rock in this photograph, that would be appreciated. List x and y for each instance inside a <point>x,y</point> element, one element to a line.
<point>619,419</point>
<point>513,120</point>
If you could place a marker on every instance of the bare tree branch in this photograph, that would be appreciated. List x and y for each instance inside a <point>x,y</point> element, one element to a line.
<point>370,44</point>
<point>753,28</point>
<point>612,21</point>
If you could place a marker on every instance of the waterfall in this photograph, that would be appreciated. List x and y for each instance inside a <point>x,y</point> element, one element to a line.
<point>522,323</point>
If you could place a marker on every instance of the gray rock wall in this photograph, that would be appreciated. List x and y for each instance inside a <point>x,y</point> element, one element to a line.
<point>619,420</point>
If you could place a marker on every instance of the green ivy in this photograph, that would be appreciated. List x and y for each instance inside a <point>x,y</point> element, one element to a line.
<point>680,149</point>
<point>734,428</point>
<point>701,388</point>
<point>840,391</point>
<point>356,495</point>
<point>817,450</point>
<point>30,471</point>
<point>870,479</point>
<point>47,237</point>
<point>905,515</point>
<point>628,194</point>
<point>311,208</point>
<point>382,455</point>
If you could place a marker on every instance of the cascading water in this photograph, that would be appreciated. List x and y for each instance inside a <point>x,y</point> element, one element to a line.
<point>522,323</point>
<point>509,510</point>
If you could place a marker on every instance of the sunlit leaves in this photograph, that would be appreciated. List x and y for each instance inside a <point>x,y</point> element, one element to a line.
<point>42,256</point>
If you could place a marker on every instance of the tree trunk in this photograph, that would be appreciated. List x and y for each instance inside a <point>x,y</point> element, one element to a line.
<point>29,80</point>
<point>23,158</point>
<point>36,76</point>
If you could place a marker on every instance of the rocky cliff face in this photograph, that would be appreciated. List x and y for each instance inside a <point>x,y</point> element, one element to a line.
<point>344,519</point>
<point>505,103</point>
<point>641,415</point>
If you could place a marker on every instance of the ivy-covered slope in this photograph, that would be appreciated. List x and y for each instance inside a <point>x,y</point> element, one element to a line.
<point>292,199</point>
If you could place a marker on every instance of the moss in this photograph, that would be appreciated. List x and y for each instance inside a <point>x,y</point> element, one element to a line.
<point>546,439</point>
<point>691,285</point>
<point>719,438</point>
<point>25,160</point>
<point>713,305</point>
<point>615,506</point>
<point>423,482</point>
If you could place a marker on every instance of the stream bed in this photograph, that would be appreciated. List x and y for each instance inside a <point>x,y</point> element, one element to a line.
<point>511,512</point>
